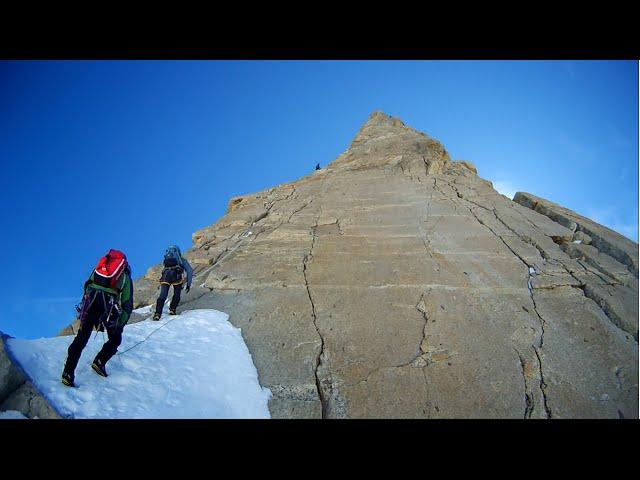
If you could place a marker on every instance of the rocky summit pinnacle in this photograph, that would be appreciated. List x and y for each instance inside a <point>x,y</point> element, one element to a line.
<point>386,142</point>
<point>397,283</point>
<point>380,124</point>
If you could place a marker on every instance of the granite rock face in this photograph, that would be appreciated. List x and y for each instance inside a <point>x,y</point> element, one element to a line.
<point>397,283</point>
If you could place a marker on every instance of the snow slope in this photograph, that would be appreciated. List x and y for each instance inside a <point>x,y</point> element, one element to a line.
<point>192,365</point>
<point>12,415</point>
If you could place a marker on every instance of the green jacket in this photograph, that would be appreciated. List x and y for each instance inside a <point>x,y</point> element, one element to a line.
<point>123,292</point>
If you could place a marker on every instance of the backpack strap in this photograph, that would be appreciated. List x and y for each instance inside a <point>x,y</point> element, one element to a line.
<point>105,289</point>
<point>115,292</point>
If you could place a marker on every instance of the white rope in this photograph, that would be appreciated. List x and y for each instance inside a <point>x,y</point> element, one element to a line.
<point>145,339</point>
<point>243,236</point>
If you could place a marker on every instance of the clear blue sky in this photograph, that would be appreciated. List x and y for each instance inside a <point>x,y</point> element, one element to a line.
<point>137,155</point>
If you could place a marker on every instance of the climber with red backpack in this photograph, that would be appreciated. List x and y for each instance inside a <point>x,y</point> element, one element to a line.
<point>106,305</point>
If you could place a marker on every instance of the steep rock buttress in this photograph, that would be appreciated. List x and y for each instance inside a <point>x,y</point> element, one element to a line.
<point>397,283</point>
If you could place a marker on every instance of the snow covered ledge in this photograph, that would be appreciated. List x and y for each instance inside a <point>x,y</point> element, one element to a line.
<point>192,365</point>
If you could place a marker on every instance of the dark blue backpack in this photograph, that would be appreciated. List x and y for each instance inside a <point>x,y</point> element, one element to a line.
<point>173,267</point>
<point>172,257</point>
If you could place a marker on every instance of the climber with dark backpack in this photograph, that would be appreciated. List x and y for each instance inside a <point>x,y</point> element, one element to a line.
<point>106,305</point>
<point>175,266</point>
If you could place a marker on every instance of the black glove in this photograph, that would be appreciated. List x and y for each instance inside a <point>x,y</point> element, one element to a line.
<point>186,290</point>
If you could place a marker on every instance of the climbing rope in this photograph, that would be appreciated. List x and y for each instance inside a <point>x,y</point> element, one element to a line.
<point>241,238</point>
<point>145,339</point>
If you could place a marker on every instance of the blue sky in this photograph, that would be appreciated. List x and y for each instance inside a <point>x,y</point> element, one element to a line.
<point>137,155</point>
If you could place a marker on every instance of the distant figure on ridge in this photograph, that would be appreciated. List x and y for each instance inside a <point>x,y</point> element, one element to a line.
<point>317,166</point>
<point>172,274</point>
<point>106,305</point>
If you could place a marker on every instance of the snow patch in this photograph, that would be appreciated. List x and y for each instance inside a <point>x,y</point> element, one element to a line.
<point>12,415</point>
<point>192,365</point>
<point>532,272</point>
<point>143,310</point>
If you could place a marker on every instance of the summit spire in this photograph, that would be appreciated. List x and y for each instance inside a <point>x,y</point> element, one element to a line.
<point>384,140</point>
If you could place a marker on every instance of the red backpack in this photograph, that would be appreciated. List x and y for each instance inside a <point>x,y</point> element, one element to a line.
<point>110,269</point>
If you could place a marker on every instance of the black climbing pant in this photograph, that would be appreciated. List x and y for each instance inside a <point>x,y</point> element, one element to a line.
<point>91,320</point>
<point>164,293</point>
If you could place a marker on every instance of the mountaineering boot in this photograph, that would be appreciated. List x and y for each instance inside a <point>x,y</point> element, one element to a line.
<point>98,367</point>
<point>67,379</point>
<point>156,316</point>
<point>172,312</point>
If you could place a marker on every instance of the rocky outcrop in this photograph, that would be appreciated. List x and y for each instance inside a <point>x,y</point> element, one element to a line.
<point>397,283</point>
<point>604,239</point>
<point>612,258</point>
<point>17,393</point>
